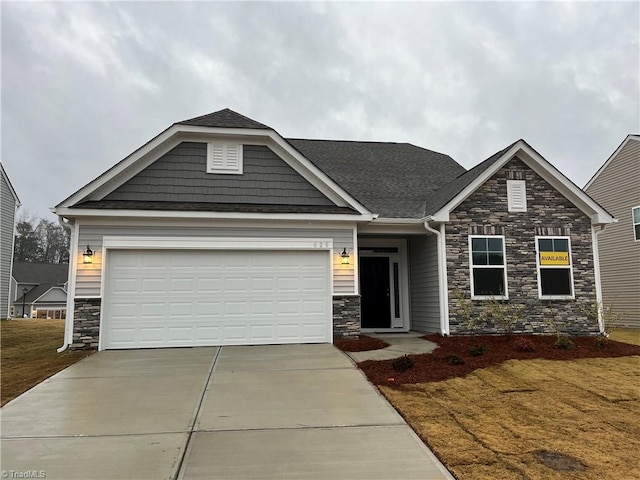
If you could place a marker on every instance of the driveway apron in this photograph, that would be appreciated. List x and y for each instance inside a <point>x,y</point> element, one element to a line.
<point>255,412</point>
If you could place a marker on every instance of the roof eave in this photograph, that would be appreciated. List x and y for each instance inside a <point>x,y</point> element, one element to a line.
<point>542,167</point>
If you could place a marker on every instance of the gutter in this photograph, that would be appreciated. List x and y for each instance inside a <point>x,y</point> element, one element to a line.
<point>68,322</point>
<point>442,274</point>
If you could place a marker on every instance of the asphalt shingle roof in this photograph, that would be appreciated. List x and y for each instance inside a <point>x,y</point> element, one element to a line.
<point>390,179</point>
<point>37,273</point>
<point>224,119</point>
<point>447,192</point>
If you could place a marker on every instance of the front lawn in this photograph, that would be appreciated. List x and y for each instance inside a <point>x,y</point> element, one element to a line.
<point>523,409</point>
<point>28,354</point>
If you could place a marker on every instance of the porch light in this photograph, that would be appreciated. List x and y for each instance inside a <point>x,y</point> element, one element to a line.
<point>345,256</point>
<point>87,256</point>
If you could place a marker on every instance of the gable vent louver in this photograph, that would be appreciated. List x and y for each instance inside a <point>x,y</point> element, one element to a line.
<point>517,195</point>
<point>224,158</point>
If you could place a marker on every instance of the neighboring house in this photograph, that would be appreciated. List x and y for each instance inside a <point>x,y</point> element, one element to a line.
<point>39,290</point>
<point>616,186</point>
<point>9,203</point>
<point>221,232</point>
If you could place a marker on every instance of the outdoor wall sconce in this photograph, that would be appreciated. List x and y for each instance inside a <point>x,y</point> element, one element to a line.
<point>87,256</point>
<point>345,256</point>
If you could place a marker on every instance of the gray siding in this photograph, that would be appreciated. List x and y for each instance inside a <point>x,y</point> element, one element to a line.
<point>7,224</point>
<point>423,282</point>
<point>88,277</point>
<point>617,188</point>
<point>180,176</point>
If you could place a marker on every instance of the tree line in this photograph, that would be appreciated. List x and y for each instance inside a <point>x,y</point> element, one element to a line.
<point>40,240</point>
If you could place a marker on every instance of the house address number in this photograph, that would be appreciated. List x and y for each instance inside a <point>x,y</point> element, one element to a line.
<point>321,244</point>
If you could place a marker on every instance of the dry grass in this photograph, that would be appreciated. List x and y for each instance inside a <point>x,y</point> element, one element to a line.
<point>492,423</point>
<point>29,354</point>
<point>627,335</point>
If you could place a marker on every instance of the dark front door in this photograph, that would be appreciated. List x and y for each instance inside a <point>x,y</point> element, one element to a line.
<point>374,287</point>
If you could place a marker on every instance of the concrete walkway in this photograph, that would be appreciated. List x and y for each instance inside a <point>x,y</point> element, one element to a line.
<point>263,412</point>
<point>400,344</point>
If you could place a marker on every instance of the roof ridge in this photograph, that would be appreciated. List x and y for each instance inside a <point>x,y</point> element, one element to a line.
<point>348,141</point>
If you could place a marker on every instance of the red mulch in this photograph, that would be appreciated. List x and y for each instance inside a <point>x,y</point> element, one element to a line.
<point>362,344</point>
<point>434,367</point>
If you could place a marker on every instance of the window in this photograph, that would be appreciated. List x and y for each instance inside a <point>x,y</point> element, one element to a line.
<point>517,195</point>
<point>555,275</point>
<point>488,267</point>
<point>224,158</point>
<point>636,223</point>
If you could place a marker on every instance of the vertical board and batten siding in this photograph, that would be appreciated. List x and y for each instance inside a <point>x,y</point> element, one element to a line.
<point>8,212</point>
<point>423,282</point>
<point>181,176</point>
<point>617,188</point>
<point>88,277</point>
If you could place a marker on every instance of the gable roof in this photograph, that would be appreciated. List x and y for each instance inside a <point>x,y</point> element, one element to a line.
<point>40,273</point>
<point>445,194</point>
<point>391,179</point>
<point>225,118</point>
<point>629,138</point>
<point>11,189</point>
<point>36,293</point>
<point>222,124</point>
<point>474,178</point>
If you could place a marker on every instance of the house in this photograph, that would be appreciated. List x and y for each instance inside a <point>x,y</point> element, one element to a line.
<point>9,203</point>
<point>616,186</point>
<point>39,290</point>
<point>219,231</point>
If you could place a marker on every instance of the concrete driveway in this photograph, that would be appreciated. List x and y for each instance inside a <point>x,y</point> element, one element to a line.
<point>263,412</point>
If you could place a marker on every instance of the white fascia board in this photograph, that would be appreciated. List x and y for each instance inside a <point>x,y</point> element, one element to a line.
<point>222,243</point>
<point>318,178</point>
<point>543,168</point>
<point>566,187</point>
<point>611,157</point>
<point>11,189</point>
<point>143,214</point>
<point>171,137</point>
<point>38,299</point>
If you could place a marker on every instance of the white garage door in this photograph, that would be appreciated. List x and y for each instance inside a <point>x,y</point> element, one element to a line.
<point>171,298</point>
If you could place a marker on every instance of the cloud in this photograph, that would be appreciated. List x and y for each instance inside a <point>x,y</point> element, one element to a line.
<point>85,84</point>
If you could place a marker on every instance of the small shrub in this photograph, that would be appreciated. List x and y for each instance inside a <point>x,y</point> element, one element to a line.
<point>564,343</point>
<point>602,342</point>
<point>477,350</point>
<point>523,345</point>
<point>403,363</point>
<point>454,360</point>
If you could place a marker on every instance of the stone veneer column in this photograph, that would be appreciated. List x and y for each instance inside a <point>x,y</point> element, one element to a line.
<point>346,316</point>
<point>86,324</point>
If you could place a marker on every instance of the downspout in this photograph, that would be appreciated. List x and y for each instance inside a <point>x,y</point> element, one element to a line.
<point>442,275</point>
<point>68,322</point>
<point>596,272</point>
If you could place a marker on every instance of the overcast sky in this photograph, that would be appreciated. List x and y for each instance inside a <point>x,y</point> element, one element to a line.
<point>85,84</point>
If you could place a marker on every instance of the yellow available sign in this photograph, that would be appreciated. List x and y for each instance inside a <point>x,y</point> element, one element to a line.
<point>554,258</point>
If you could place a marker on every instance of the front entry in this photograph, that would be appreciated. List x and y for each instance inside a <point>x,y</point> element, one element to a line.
<point>382,288</point>
<point>376,292</point>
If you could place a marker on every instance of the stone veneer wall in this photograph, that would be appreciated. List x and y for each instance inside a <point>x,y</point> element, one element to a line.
<point>548,212</point>
<point>346,316</point>
<point>86,324</point>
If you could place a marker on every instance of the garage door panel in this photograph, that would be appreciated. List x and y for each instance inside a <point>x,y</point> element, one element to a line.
<point>181,298</point>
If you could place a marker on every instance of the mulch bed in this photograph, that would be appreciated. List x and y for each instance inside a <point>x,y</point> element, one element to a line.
<point>362,344</point>
<point>436,366</point>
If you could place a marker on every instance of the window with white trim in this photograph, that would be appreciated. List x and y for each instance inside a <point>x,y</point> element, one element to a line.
<point>224,157</point>
<point>555,271</point>
<point>517,195</point>
<point>488,267</point>
<point>636,223</point>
